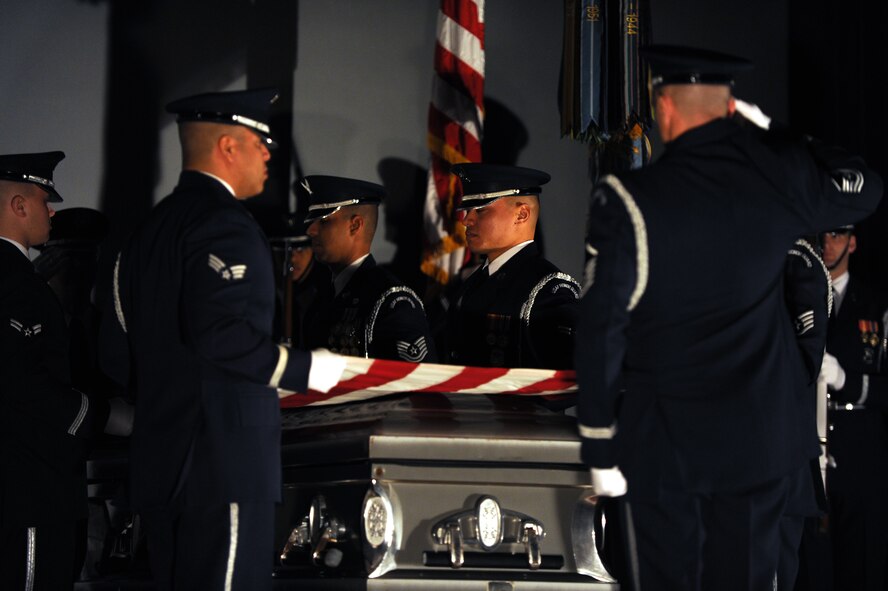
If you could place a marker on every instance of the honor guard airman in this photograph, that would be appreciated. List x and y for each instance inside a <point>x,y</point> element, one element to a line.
<point>366,311</point>
<point>517,309</point>
<point>44,422</point>
<point>190,333</point>
<point>808,296</point>
<point>854,369</point>
<point>691,382</point>
<point>303,279</point>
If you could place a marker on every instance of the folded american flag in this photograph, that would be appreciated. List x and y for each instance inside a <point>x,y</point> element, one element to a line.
<point>365,379</point>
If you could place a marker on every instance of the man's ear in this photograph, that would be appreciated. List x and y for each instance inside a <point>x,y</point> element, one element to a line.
<point>355,223</point>
<point>18,205</point>
<point>523,213</point>
<point>852,243</point>
<point>226,144</point>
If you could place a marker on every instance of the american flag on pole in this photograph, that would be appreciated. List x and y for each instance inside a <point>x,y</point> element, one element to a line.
<point>456,117</point>
<point>365,379</point>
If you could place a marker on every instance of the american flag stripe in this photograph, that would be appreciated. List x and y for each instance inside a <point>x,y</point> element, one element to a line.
<point>456,115</point>
<point>366,379</point>
<point>453,134</point>
<point>460,73</point>
<point>467,381</point>
<point>469,15</point>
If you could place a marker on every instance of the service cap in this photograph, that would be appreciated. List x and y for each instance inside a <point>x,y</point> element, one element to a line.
<point>328,194</point>
<point>482,184</point>
<point>675,64</point>
<point>32,168</point>
<point>249,108</point>
<point>77,226</point>
<point>292,231</point>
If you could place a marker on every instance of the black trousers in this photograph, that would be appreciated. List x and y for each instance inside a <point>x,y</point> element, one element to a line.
<point>42,558</point>
<point>217,547</point>
<point>710,542</point>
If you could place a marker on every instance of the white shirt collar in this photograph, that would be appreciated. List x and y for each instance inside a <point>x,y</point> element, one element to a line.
<point>840,283</point>
<point>224,184</point>
<point>494,265</point>
<point>18,245</point>
<point>344,276</point>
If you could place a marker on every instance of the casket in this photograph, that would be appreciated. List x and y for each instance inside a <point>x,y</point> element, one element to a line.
<point>434,492</point>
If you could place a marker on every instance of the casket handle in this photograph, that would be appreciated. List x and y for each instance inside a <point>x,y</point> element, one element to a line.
<point>532,533</point>
<point>457,558</point>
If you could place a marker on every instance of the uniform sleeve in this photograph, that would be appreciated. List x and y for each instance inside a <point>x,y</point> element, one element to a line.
<point>227,270</point>
<point>549,317</point>
<point>397,328</point>
<point>36,367</point>
<point>808,301</point>
<point>613,282</point>
<point>846,189</point>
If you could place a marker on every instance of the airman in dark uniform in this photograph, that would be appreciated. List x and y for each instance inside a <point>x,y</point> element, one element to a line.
<point>302,282</point>
<point>808,297</point>
<point>517,309</point>
<point>44,422</point>
<point>366,311</point>
<point>190,332</point>
<point>854,367</point>
<point>68,261</point>
<point>691,382</point>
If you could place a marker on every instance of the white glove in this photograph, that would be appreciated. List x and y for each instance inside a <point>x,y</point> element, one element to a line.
<point>326,370</point>
<point>752,113</point>
<point>608,482</point>
<point>120,419</point>
<point>832,373</point>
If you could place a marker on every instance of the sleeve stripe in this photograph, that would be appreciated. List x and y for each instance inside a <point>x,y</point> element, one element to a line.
<point>78,420</point>
<point>641,246</point>
<point>283,357</point>
<point>118,307</point>
<point>597,432</point>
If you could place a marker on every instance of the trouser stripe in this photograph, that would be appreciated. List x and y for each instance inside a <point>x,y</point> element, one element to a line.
<point>232,545</point>
<point>31,559</point>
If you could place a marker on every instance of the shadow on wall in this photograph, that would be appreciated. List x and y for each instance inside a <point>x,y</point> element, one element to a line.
<point>165,49</point>
<point>505,136</point>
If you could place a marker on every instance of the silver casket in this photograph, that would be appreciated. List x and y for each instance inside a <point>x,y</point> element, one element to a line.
<point>437,492</point>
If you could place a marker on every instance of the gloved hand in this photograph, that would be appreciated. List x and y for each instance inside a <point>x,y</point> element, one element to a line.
<point>752,114</point>
<point>120,419</point>
<point>608,482</point>
<point>832,373</point>
<point>326,370</point>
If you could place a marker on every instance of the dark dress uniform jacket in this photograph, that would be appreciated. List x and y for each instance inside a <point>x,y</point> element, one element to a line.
<point>685,309</point>
<point>521,316</point>
<point>808,297</point>
<point>194,291</point>
<point>858,441</point>
<point>375,315</point>
<point>43,421</point>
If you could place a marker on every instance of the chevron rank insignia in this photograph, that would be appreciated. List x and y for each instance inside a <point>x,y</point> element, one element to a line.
<point>804,322</point>
<point>847,180</point>
<point>413,352</point>
<point>26,331</point>
<point>225,272</point>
